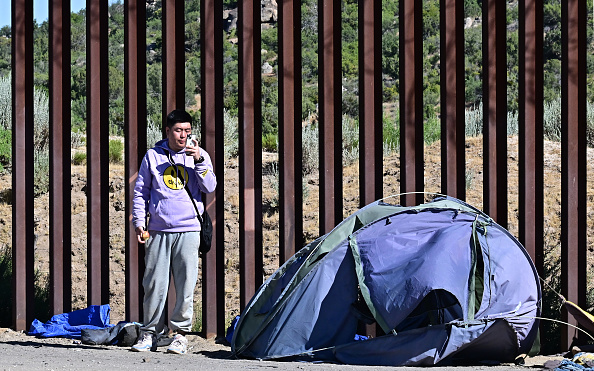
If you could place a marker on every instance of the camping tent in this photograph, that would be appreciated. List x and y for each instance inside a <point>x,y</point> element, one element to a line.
<point>444,282</point>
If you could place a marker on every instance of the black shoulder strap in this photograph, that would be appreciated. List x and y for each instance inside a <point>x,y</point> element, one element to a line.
<point>186,188</point>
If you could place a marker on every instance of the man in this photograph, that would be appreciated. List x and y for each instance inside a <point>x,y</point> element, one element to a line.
<point>174,164</point>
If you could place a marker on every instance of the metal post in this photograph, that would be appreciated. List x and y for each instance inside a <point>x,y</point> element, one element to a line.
<point>330,93</point>
<point>136,144</point>
<point>59,108</point>
<point>97,154</point>
<point>495,110</point>
<point>573,154</point>
<point>250,150</point>
<point>411,101</point>
<point>213,289</point>
<point>453,180</point>
<point>530,117</point>
<point>289,130</point>
<point>370,102</point>
<point>23,235</point>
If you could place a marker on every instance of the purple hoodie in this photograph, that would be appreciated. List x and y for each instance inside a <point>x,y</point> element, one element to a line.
<point>159,190</point>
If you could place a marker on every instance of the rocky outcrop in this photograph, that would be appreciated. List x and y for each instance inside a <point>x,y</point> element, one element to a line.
<point>268,15</point>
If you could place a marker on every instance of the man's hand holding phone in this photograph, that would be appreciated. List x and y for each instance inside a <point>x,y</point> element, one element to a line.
<point>192,148</point>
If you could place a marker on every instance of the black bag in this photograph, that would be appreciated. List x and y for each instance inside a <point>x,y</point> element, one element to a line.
<point>205,222</point>
<point>205,233</point>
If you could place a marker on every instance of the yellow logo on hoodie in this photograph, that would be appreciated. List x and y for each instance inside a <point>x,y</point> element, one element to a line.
<point>173,177</point>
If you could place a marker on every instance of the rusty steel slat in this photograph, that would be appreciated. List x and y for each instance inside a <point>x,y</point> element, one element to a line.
<point>495,110</point>
<point>330,126</point>
<point>573,154</point>
<point>453,181</point>
<point>370,103</point>
<point>211,68</point>
<point>173,75</point>
<point>173,57</point>
<point>289,130</point>
<point>411,101</point>
<point>530,118</point>
<point>135,145</point>
<point>370,114</point>
<point>250,150</point>
<point>59,109</point>
<point>23,239</point>
<point>97,154</point>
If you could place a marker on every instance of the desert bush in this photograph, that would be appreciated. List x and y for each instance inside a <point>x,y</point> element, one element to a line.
<point>153,133</point>
<point>513,127</point>
<point>77,139</point>
<point>116,150</point>
<point>310,149</point>
<point>310,146</point>
<point>6,286</point>
<point>5,148</point>
<point>391,134</point>
<point>197,325</point>
<point>473,119</point>
<point>350,140</point>
<point>40,132</point>
<point>40,120</point>
<point>6,102</point>
<point>274,179</point>
<point>79,158</point>
<point>41,175</point>
<point>231,140</point>
<point>41,291</point>
<point>432,129</point>
<point>270,142</point>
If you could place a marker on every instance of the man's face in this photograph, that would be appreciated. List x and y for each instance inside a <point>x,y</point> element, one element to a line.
<point>177,135</point>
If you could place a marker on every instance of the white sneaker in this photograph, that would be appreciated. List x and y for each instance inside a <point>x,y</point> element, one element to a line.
<point>145,342</point>
<point>179,345</point>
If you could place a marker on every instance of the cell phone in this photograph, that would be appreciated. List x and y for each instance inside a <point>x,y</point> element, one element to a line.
<point>190,140</point>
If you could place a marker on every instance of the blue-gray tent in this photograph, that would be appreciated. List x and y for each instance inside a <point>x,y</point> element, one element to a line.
<point>443,281</point>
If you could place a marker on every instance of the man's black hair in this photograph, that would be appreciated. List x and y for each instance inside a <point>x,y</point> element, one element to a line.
<point>177,116</point>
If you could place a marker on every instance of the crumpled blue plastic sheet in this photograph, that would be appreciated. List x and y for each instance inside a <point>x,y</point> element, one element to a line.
<point>581,361</point>
<point>69,325</point>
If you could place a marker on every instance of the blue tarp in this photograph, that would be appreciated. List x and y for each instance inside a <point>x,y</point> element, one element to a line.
<point>69,325</point>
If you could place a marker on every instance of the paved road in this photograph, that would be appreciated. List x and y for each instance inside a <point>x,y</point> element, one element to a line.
<point>21,352</point>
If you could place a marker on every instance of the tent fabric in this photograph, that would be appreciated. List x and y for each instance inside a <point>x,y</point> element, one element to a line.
<point>442,279</point>
<point>69,325</point>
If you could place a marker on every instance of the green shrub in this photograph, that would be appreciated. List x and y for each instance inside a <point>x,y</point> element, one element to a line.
<point>41,173</point>
<point>6,287</point>
<point>310,149</point>
<point>350,140</point>
<point>77,139</point>
<point>270,142</point>
<point>197,325</point>
<point>153,134</point>
<point>41,291</point>
<point>391,133</point>
<point>474,120</point>
<point>79,158</point>
<point>432,130</point>
<point>5,148</point>
<point>116,150</point>
<point>231,140</point>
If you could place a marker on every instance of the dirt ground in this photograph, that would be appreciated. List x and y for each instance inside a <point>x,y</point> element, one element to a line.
<point>474,160</point>
<point>19,351</point>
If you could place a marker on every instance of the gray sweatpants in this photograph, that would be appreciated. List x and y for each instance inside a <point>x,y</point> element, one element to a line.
<point>165,253</point>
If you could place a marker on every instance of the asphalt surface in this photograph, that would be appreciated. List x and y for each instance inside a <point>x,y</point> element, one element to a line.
<point>21,352</point>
